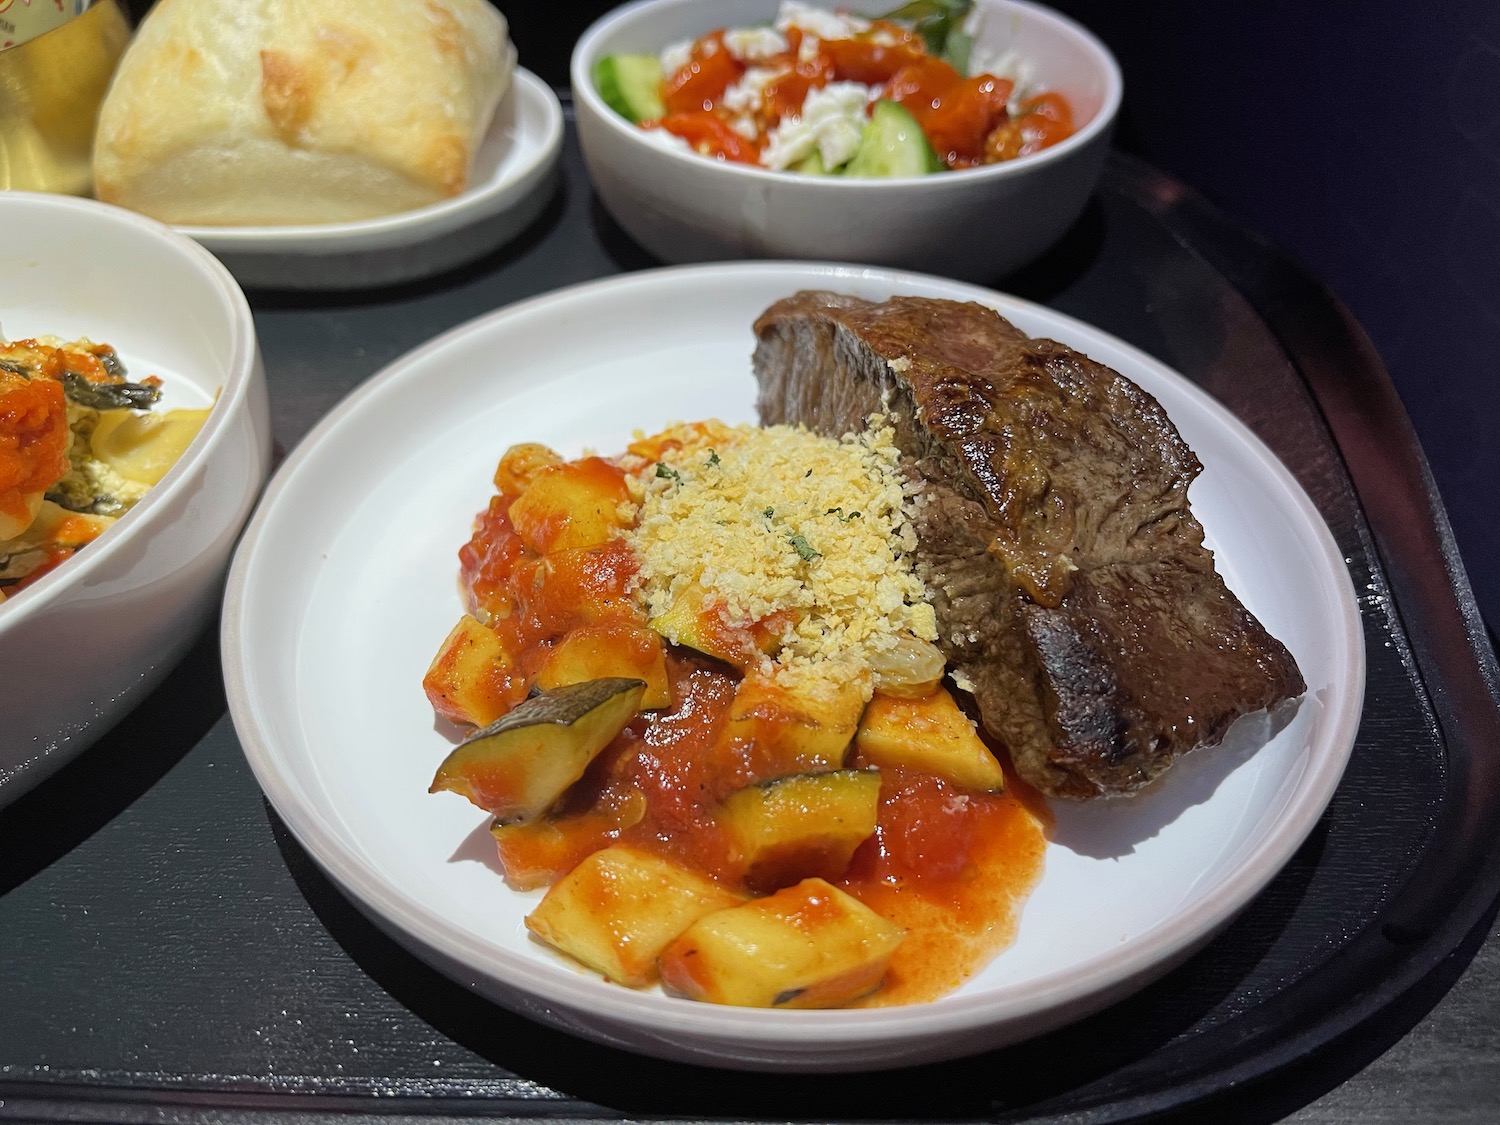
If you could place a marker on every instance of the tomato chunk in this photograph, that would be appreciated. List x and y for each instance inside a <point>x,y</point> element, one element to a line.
<point>964,116</point>
<point>711,135</point>
<point>709,72</point>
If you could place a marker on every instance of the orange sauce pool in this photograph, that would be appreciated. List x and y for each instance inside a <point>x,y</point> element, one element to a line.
<point>951,867</point>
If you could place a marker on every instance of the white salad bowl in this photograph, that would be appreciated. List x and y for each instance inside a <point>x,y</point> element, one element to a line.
<point>981,223</point>
<point>86,642</point>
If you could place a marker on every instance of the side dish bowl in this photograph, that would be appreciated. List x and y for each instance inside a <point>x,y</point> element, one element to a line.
<point>980,223</point>
<point>85,642</point>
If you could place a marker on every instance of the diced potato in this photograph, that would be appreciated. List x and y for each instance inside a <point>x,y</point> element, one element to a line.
<point>518,766</point>
<point>566,589</point>
<point>930,735</point>
<point>808,946</point>
<point>142,447</point>
<point>473,678</point>
<point>520,464</point>
<point>797,725</point>
<point>617,910</point>
<point>796,827</point>
<point>574,505</point>
<point>596,652</point>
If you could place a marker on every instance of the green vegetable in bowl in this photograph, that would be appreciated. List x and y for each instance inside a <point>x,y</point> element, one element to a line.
<point>893,144</point>
<point>631,86</point>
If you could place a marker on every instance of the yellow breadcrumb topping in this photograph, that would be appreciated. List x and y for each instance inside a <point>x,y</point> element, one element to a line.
<point>760,521</point>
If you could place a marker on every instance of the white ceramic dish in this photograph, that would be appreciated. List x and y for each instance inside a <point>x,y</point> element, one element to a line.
<point>346,583</point>
<point>514,173</point>
<point>86,641</point>
<point>979,224</point>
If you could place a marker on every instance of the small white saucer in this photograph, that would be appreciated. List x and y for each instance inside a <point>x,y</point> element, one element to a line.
<point>514,176</point>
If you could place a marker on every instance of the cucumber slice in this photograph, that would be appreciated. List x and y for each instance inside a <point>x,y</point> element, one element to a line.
<point>893,144</point>
<point>812,165</point>
<point>631,86</point>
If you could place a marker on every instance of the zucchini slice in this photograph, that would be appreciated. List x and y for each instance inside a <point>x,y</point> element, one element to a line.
<point>519,765</point>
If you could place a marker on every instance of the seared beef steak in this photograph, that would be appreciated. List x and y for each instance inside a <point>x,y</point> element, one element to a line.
<point>1071,584</point>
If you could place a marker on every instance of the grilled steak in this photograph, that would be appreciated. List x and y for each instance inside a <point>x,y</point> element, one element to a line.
<point>1072,588</point>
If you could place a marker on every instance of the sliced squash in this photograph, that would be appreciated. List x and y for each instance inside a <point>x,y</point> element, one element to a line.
<point>930,735</point>
<point>688,623</point>
<point>518,766</point>
<point>474,678</point>
<point>797,827</point>
<point>616,648</point>
<point>808,946</point>
<point>618,909</point>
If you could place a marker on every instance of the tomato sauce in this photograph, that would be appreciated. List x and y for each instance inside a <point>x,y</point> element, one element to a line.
<point>951,867</point>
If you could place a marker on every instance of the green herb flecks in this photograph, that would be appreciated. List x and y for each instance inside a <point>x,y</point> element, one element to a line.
<point>803,548</point>
<point>666,472</point>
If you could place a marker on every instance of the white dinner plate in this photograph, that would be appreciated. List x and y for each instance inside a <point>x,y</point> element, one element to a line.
<point>346,583</point>
<point>514,172</point>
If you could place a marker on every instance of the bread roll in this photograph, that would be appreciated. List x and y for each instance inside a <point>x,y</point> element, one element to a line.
<point>236,112</point>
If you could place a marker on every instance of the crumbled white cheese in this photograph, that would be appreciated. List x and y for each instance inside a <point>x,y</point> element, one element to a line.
<point>884,37</point>
<point>808,51</point>
<point>1012,65</point>
<point>899,364</point>
<point>818,21</point>
<point>745,95</point>
<point>675,56</point>
<point>832,121</point>
<point>746,127</point>
<point>754,44</point>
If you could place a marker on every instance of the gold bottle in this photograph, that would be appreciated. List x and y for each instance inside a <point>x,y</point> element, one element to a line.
<point>51,83</point>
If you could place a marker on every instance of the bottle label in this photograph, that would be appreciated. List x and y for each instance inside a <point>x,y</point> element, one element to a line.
<point>21,20</point>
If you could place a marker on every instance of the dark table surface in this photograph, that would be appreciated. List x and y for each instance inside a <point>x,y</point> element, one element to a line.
<point>168,952</point>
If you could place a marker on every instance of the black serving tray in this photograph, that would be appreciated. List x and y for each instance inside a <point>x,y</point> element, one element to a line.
<point>169,953</point>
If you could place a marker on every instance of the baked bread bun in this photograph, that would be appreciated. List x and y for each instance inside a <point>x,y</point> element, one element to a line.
<point>228,112</point>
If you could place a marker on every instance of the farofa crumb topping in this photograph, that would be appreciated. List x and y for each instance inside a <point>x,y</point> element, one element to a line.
<point>780,520</point>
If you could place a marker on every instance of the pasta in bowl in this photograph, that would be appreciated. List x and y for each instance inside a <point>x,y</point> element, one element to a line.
<point>80,445</point>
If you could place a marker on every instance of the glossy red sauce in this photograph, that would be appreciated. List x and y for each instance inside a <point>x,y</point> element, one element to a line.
<point>949,866</point>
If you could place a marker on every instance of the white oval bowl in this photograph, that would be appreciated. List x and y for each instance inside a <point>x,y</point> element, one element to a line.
<point>346,583</point>
<point>84,643</point>
<point>980,223</point>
